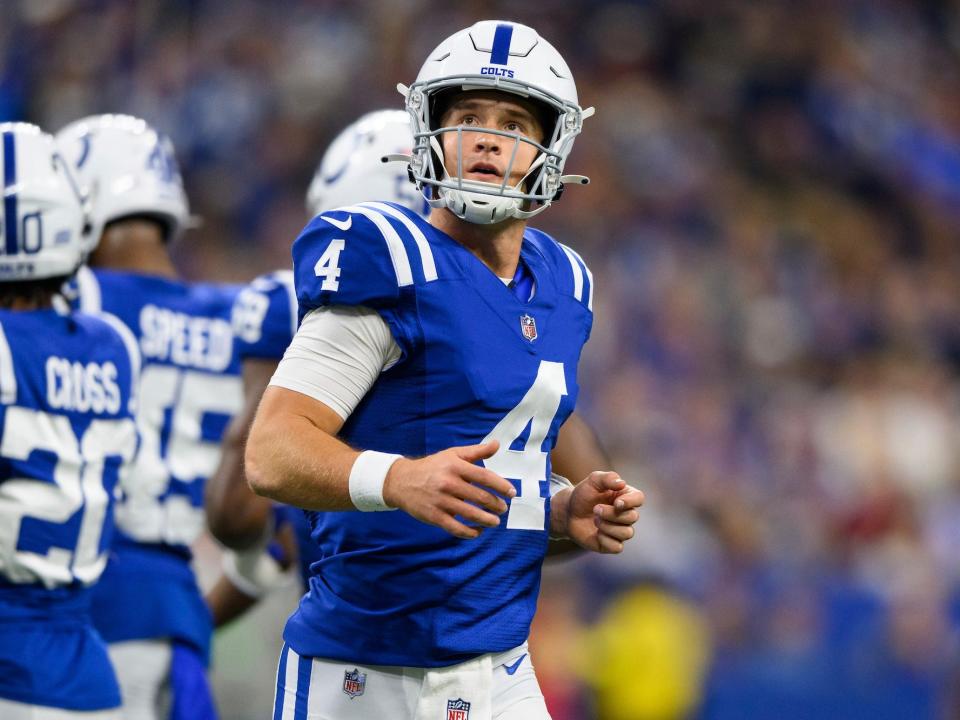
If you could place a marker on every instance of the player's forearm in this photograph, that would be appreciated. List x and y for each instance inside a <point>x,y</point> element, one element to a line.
<point>293,457</point>
<point>295,463</point>
<point>236,516</point>
<point>578,451</point>
<point>226,602</point>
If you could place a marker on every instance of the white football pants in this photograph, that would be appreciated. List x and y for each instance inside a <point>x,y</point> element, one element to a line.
<point>143,671</point>
<point>10,710</point>
<point>502,686</point>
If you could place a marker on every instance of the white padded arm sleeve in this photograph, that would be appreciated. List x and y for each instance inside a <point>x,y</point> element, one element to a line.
<point>336,356</point>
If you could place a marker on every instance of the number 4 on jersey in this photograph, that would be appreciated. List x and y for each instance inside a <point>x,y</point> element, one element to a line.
<point>537,409</point>
<point>328,266</point>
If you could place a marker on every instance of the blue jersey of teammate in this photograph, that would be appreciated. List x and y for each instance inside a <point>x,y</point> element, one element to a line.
<point>189,389</point>
<point>265,317</point>
<point>478,363</point>
<point>264,323</point>
<point>66,430</point>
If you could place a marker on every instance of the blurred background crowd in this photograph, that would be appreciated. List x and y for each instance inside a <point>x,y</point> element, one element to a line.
<point>773,226</point>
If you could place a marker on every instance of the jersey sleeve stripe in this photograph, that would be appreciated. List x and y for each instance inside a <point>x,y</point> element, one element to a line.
<point>426,254</point>
<point>133,351</point>
<point>8,380</point>
<point>577,273</point>
<point>89,290</point>
<point>586,269</point>
<point>398,252</point>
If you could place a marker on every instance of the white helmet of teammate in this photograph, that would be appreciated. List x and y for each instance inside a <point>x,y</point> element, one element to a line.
<point>43,214</point>
<point>352,169</point>
<point>506,57</point>
<point>127,168</point>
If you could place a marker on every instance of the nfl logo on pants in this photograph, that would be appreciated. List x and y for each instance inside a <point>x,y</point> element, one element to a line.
<point>354,682</point>
<point>458,709</point>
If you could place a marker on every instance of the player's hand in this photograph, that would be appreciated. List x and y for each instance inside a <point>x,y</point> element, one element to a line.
<point>439,487</point>
<point>599,513</point>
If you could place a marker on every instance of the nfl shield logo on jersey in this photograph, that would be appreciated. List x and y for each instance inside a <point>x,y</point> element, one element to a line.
<point>354,682</point>
<point>458,709</point>
<point>528,326</point>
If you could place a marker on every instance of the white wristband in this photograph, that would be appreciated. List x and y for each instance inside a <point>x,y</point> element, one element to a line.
<point>253,572</point>
<point>558,483</point>
<point>366,480</point>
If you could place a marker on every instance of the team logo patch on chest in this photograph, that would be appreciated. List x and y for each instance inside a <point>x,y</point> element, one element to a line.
<point>458,709</point>
<point>354,682</point>
<point>528,326</point>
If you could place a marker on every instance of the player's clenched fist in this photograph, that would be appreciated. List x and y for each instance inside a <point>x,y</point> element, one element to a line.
<point>598,514</point>
<point>437,488</point>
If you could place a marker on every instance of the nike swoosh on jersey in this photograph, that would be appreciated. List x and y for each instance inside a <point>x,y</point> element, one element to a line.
<point>343,225</point>
<point>511,669</point>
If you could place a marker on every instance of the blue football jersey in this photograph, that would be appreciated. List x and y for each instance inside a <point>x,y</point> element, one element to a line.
<point>265,316</point>
<point>66,434</point>
<point>189,389</point>
<point>478,363</point>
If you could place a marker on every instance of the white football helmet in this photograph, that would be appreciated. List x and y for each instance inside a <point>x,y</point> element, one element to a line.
<point>353,171</point>
<point>506,57</point>
<point>126,167</point>
<point>43,214</point>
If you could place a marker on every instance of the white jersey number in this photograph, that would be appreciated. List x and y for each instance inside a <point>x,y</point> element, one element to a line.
<point>78,484</point>
<point>248,315</point>
<point>537,409</point>
<point>172,405</point>
<point>328,266</point>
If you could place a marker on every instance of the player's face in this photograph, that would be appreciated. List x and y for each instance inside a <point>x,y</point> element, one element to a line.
<point>486,156</point>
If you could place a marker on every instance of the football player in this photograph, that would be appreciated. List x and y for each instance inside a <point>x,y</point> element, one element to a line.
<point>351,171</point>
<point>67,432</point>
<point>432,347</point>
<point>149,607</point>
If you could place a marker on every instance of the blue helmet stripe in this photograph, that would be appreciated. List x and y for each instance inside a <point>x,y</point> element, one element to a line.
<point>10,220</point>
<point>500,53</point>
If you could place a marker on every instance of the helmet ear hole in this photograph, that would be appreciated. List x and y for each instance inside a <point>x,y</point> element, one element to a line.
<point>44,214</point>
<point>439,102</point>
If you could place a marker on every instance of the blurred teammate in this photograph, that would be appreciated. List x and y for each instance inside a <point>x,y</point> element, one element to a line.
<point>452,342</point>
<point>66,430</point>
<point>265,320</point>
<point>148,606</point>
